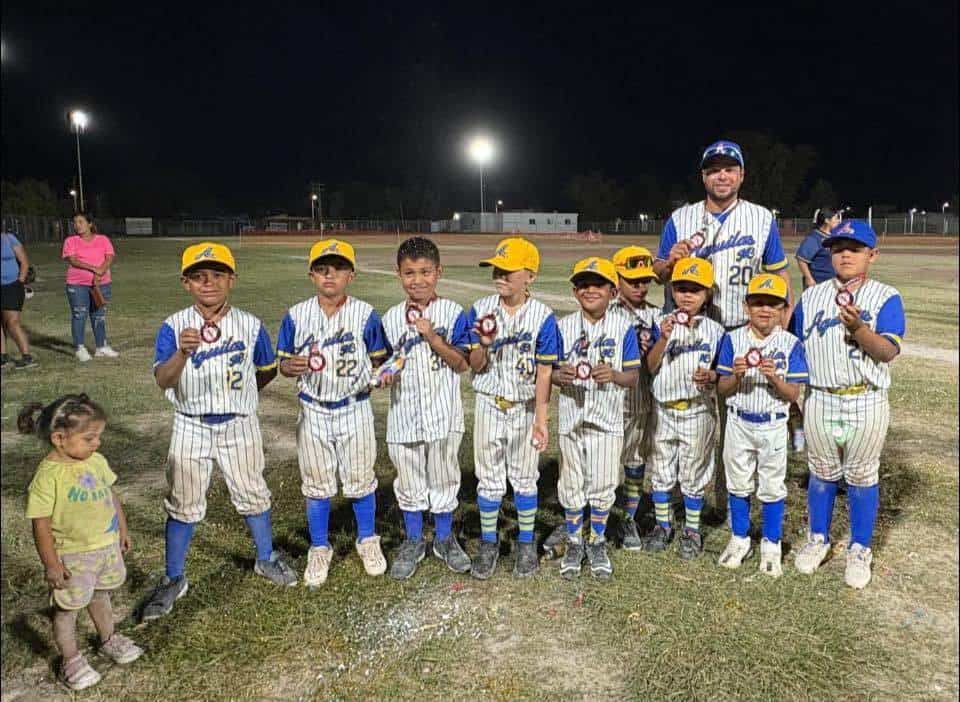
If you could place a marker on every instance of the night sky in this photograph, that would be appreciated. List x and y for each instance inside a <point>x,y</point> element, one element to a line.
<point>245,105</point>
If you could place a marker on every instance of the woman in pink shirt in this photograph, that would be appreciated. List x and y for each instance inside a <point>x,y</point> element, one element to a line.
<point>89,256</point>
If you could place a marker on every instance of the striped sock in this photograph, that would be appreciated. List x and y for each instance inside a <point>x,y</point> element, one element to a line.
<point>489,513</point>
<point>413,525</point>
<point>692,506</point>
<point>526,516</point>
<point>661,506</point>
<point>598,521</point>
<point>632,487</point>
<point>574,518</point>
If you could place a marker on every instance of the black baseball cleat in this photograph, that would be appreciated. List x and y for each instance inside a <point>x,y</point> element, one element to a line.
<point>691,544</point>
<point>657,540</point>
<point>527,562</point>
<point>485,562</point>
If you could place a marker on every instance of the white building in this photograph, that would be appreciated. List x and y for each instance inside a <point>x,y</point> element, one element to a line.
<point>510,222</point>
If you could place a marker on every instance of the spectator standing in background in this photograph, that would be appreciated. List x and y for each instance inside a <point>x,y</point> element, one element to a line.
<point>12,278</point>
<point>812,259</point>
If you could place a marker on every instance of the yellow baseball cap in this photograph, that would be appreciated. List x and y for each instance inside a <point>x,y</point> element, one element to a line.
<point>694,270</point>
<point>768,284</point>
<point>634,262</point>
<point>207,252</point>
<point>332,247</point>
<point>514,254</point>
<point>597,266</point>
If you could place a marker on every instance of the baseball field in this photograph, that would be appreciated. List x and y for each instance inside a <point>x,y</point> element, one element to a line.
<point>661,628</point>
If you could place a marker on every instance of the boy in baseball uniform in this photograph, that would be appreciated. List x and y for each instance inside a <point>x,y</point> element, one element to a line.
<point>683,359</point>
<point>852,328</point>
<point>331,343</point>
<point>599,359</point>
<point>425,420</point>
<point>761,368</point>
<point>212,360</point>
<point>515,347</point>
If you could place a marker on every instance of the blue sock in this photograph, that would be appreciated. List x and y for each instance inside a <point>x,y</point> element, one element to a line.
<point>489,513</point>
<point>661,506</point>
<point>692,506</point>
<point>442,525</point>
<point>574,520</point>
<point>178,535</point>
<point>632,487</point>
<point>413,525</point>
<point>318,520</point>
<point>365,511</point>
<point>740,515</point>
<point>864,503</point>
<point>773,519</point>
<point>821,495</point>
<point>261,529</point>
<point>598,521</point>
<point>526,516</point>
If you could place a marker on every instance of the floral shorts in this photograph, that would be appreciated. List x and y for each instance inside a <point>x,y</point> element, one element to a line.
<point>100,569</point>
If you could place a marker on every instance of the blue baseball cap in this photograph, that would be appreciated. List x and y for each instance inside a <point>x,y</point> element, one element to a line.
<point>854,230</point>
<point>722,148</point>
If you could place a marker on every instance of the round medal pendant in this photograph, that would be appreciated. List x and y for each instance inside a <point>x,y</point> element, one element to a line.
<point>487,325</point>
<point>754,357</point>
<point>209,332</point>
<point>844,298</point>
<point>584,369</point>
<point>682,318</point>
<point>413,314</point>
<point>697,240</point>
<point>317,361</point>
<point>645,336</point>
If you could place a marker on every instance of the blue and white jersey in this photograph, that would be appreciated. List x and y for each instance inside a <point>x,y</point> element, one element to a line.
<point>612,340</point>
<point>756,395</point>
<point>637,399</point>
<point>220,377</point>
<point>687,350</point>
<point>348,341</point>
<point>835,360</point>
<point>524,339</point>
<point>425,402</point>
<point>740,242</point>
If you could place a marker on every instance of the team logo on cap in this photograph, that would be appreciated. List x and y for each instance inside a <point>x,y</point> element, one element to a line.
<point>692,269</point>
<point>501,252</point>
<point>206,253</point>
<point>331,248</point>
<point>766,284</point>
<point>847,228</point>
<point>592,266</point>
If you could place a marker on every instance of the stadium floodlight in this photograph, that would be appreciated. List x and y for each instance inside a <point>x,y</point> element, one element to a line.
<point>313,210</point>
<point>913,211</point>
<point>79,121</point>
<point>499,205</point>
<point>480,150</point>
<point>943,211</point>
<point>456,216</point>
<point>73,194</point>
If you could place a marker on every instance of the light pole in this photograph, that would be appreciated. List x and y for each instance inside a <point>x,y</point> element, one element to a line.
<point>79,121</point>
<point>313,205</point>
<point>913,211</point>
<point>499,205</point>
<point>943,211</point>
<point>73,194</point>
<point>643,221</point>
<point>481,151</point>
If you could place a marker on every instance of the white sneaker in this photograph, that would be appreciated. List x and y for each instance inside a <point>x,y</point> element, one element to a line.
<point>812,554</point>
<point>318,565</point>
<point>857,574</point>
<point>106,352</point>
<point>371,555</point>
<point>738,548</point>
<point>82,354</point>
<point>770,558</point>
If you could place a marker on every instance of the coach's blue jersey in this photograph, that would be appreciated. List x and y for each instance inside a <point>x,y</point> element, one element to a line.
<point>756,395</point>
<point>219,377</point>
<point>348,340</point>
<point>425,403</point>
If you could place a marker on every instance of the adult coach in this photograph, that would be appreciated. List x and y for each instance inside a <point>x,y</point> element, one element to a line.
<point>13,276</point>
<point>89,256</point>
<point>813,259</point>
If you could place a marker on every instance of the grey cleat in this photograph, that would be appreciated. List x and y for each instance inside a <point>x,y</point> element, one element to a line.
<point>630,538</point>
<point>572,559</point>
<point>527,561</point>
<point>657,540</point>
<point>161,600</point>
<point>599,559</point>
<point>485,562</point>
<point>450,552</point>
<point>276,570</point>
<point>691,544</point>
<point>556,544</point>
<point>410,554</point>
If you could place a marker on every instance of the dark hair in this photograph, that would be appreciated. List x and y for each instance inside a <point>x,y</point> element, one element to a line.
<point>418,247</point>
<point>65,413</point>
<point>89,217</point>
<point>822,214</point>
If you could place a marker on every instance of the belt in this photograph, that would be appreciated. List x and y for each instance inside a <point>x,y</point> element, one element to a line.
<point>681,404</point>
<point>851,390</point>
<point>503,403</point>
<point>759,418</point>
<point>336,404</point>
<point>212,418</point>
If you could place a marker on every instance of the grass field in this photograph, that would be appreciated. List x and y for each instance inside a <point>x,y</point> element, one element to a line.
<point>661,627</point>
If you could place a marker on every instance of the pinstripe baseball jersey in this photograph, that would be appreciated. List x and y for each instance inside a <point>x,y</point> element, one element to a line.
<point>612,340</point>
<point>348,341</point>
<point>523,340</point>
<point>425,403</point>
<point>687,350</point>
<point>756,395</point>
<point>219,377</point>
<point>835,360</point>
<point>637,399</point>
<point>740,242</point>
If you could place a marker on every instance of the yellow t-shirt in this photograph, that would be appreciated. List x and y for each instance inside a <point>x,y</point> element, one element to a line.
<point>78,499</point>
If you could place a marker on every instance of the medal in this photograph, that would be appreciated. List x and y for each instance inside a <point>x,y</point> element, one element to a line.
<point>754,358</point>
<point>844,297</point>
<point>697,240</point>
<point>487,325</point>
<point>645,336</point>
<point>413,314</point>
<point>210,332</point>
<point>682,318</point>
<point>583,370</point>
<point>537,444</point>
<point>316,361</point>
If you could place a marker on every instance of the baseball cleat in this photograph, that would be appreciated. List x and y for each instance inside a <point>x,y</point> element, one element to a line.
<point>812,554</point>
<point>555,545</point>
<point>599,559</point>
<point>450,552</point>
<point>372,556</point>
<point>630,538</point>
<point>737,551</point>
<point>657,540</point>
<point>485,562</point>
<point>408,557</point>
<point>770,558</point>
<point>318,565</point>
<point>691,544</point>
<point>857,574</point>
<point>276,570</point>
<point>161,600</point>
<point>527,562</point>
<point>572,560</point>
